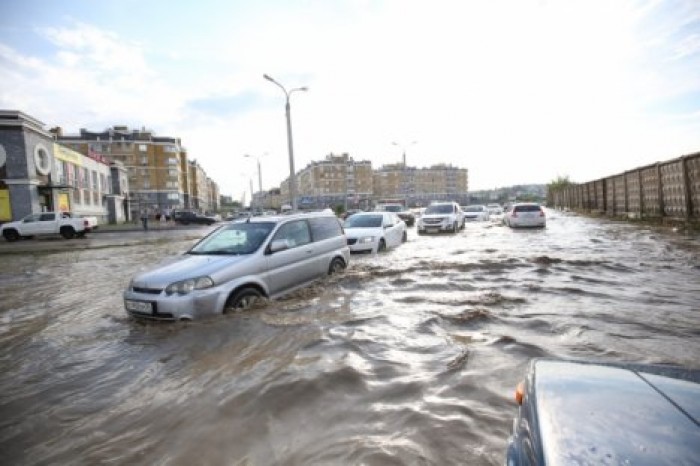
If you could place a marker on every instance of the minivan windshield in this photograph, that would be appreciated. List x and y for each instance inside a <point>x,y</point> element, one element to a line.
<point>439,209</point>
<point>234,239</point>
<point>364,221</point>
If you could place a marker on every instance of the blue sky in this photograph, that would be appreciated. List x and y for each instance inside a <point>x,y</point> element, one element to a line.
<point>517,91</point>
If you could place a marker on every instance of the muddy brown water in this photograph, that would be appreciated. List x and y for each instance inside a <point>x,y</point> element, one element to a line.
<point>409,357</point>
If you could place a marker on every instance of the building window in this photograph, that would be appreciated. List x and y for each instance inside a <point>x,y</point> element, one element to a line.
<point>143,147</point>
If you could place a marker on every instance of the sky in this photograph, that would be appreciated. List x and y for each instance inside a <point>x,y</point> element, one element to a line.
<point>517,92</point>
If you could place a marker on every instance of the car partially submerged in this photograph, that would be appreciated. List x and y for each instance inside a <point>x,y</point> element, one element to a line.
<point>577,412</point>
<point>237,264</point>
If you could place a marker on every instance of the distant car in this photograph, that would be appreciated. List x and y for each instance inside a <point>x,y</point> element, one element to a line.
<point>374,231</point>
<point>185,217</point>
<point>477,213</point>
<point>404,214</point>
<point>495,209</point>
<point>525,215</point>
<point>441,217</point>
<point>237,264</point>
<point>574,412</point>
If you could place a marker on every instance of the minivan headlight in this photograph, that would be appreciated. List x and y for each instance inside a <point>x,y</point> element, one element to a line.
<point>187,286</point>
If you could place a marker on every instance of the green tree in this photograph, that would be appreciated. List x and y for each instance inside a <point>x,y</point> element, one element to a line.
<point>559,183</point>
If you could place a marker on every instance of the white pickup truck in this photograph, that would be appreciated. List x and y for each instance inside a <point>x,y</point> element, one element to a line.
<point>48,223</point>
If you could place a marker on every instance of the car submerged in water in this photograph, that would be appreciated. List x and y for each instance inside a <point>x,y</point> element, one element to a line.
<point>239,263</point>
<point>578,412</point>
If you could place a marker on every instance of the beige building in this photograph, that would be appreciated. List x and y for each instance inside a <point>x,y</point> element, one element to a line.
<point>332,180</point>
<point>420,186</point>
<point>158,170</point>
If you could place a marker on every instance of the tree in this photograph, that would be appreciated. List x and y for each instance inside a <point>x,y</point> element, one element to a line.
<point>559,183</point>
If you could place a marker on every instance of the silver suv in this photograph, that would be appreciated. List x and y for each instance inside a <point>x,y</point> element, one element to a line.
<point>441,216</point>
<point>239,263</point>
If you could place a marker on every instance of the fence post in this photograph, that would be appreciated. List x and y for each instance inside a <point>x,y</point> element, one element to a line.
<point>686,188</point>
<point>614,196</point>
<point>641,195</point>
<point>662,210</point>
<point>627,194</point>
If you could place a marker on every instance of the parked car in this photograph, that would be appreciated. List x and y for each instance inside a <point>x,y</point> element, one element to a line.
<point>495,209</point>
<point>185,217</point>
<point>477,213</point>
<point>65,224</point>
<point>405,214</point>
<point>574,412</point>
<point>239,263</point>
<point>525,214</point>
<point>440,217</point>
<point>374,231</point>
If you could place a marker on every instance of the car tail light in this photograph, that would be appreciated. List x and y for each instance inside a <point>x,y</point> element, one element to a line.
<point>85,223</point>
<point>541,212</point>
<point>520,393</point>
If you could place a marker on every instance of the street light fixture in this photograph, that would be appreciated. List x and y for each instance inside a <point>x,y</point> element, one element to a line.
<point>403,148</point>
<point>290,146</point>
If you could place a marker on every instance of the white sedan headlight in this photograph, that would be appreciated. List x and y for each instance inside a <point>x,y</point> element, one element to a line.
<point>187,286</point>
<point>366,239</point>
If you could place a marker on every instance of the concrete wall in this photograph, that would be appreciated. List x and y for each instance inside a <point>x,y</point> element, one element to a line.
<point>668,189</point>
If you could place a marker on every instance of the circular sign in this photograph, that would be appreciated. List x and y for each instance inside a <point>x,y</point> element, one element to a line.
<point>42,160</point>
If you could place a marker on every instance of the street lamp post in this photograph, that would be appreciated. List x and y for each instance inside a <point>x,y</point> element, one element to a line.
<point>404,181</point>
<point>290,146</point>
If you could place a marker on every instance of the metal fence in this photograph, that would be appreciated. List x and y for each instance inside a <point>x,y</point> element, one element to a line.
<point>668,189</point>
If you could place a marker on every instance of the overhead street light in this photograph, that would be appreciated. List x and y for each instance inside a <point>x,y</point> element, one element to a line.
<point>290,146</point>
<point>403,148</point>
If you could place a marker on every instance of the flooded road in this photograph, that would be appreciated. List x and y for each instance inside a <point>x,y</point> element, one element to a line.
<point>409,357</point>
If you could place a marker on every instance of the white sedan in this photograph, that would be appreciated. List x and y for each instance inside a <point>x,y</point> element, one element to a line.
<point>526,214</point>
<point>476,212</point>
<point>374,231</point>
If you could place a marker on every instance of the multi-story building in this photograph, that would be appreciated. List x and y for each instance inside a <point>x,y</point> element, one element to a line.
<point>331,181</point>
<point>37,174</point>
<point>160,176</point>
<point>420,186</point>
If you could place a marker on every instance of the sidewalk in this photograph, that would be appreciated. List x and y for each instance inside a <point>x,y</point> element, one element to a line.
<point>107,236</point>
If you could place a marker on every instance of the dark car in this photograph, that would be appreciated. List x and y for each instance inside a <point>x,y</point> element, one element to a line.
<point>574,412</point>
<point>186,217</point>
<point>403,213</point>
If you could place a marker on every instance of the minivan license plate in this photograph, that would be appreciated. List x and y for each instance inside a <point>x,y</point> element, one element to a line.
<point>139,306</point>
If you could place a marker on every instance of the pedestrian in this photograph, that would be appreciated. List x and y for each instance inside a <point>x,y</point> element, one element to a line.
<point>144,219</point>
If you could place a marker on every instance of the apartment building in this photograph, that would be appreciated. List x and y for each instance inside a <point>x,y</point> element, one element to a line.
<point>331,180</point>
<point>159,174</point>
<point>420,186</point>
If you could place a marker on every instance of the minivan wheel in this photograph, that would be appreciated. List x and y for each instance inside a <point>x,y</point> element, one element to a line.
<point>404,238</point>
<point>337,265</point>
<point>243,299</point>
<point>382,245</point>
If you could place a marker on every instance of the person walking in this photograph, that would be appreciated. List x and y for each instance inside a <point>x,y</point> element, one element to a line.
<point>144,219</point>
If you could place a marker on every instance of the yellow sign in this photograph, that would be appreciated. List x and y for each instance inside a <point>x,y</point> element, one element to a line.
<point>67,155</point>
<point>63,202</point>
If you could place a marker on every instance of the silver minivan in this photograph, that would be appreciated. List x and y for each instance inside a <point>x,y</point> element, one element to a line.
<point>239,263</point>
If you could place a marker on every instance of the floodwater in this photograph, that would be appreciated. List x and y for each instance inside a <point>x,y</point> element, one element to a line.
<point>409,357</point>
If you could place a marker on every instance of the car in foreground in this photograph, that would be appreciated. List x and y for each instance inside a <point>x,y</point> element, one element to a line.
<point>185,217</point>
<point>578,412</point>
<point>478,213</point>
<point>524,215</point>
<point>404,214</point>
<point>441,217</point>
<point>374,231</point>
<point>239,263</point>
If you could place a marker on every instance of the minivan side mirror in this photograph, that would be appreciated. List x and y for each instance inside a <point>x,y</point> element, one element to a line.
<point>278,245</point>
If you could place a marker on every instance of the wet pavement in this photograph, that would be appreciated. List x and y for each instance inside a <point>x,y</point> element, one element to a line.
<point>409,357</point>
